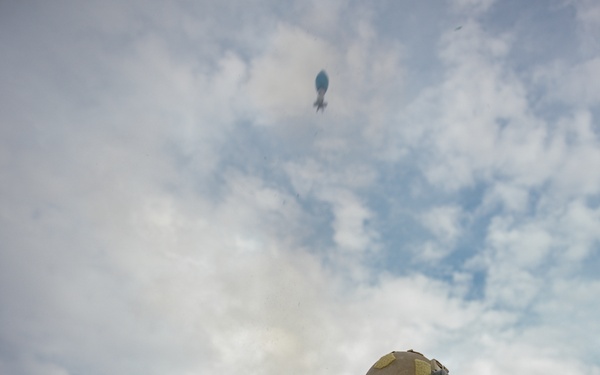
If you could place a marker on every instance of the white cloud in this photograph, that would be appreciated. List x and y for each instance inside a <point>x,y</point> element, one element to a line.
<point>588,17</point>
<point>514,199</point>
<point>350,216</point>
<point>575,84</point>
<point>472,6</point>
<point>281,82</point>
<point>524,244</point>
<point>172,205</point>
<point>445,223</point>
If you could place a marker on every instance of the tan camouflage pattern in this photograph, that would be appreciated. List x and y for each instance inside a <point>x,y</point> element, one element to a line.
<point>405,363</point>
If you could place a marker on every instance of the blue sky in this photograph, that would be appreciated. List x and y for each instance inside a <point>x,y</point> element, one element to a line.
<point>171,204</point>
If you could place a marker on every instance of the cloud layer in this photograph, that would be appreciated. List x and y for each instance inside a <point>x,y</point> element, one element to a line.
<point>171,203</point>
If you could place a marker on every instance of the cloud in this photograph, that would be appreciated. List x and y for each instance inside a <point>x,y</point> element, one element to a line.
<point>475,7</point>
<point>281,81</point>
<point>171,204</point>
<point>444,222</point>
<point>588,17</point>
<point>573,84</point>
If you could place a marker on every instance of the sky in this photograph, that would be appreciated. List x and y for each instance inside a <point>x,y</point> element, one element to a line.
<point>170,202</point>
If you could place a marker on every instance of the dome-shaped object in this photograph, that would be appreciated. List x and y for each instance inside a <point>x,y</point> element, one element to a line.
<point>407,363</point>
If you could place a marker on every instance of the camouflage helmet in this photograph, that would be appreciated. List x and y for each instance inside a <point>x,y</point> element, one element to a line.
<point>407,363</point>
